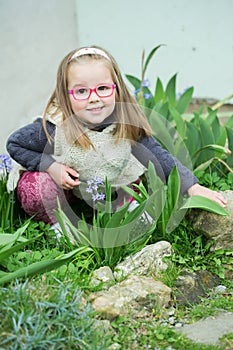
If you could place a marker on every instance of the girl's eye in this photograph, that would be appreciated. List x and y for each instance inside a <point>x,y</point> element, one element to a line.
<point>81,91</point>
<point>104,88</point>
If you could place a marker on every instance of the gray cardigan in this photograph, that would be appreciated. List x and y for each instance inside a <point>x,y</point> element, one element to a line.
<point>29,147</point>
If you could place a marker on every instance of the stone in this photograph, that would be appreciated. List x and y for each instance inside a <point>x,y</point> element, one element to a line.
<point>209,330</point>
<point>136,296</point>
<point>103,275</point>
<point>148,261</point>
<point>190,286</point>
<point>216,227</point>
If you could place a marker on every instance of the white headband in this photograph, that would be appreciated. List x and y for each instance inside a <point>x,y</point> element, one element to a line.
<point>89,51</point>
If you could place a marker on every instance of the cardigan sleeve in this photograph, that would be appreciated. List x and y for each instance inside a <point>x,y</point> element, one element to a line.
<point>148,149</point>
<point>29,146</point>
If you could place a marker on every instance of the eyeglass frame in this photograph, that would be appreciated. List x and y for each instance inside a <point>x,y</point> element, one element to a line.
<point>71,92</point>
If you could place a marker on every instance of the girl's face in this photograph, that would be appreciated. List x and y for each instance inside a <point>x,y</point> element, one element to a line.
<point>90,74</point>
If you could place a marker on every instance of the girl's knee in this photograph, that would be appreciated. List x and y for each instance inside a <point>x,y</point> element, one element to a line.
<point>37,189</point>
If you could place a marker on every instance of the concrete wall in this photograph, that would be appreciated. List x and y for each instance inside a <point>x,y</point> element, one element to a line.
<point>36,35</point>
<point>197,34</point>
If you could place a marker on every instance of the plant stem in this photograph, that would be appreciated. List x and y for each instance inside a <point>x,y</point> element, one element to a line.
<point>222,102</point>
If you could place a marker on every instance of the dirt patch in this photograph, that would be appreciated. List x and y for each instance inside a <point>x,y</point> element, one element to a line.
<point>196,103</point>
<point>224,111</point>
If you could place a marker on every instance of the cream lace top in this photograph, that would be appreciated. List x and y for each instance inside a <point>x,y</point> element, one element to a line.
<point>109,158</point>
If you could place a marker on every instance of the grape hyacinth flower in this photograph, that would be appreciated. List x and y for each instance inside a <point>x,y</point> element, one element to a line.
<point>93,187</point>
<point>5,163</point>
<point>146,83</point>
<point>147,96</point>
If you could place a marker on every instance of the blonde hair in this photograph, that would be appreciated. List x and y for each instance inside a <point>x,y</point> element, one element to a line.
<point>131,123</point>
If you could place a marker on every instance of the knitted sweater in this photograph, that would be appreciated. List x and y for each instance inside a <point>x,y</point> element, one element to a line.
<point>29,147</point>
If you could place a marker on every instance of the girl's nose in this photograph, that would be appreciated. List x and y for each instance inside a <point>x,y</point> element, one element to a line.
<point>94,97</point>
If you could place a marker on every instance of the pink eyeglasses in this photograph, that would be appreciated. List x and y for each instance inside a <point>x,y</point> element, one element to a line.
<point>83,92</point>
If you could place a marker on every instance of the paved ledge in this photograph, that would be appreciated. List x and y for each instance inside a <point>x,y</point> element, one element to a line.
<point>210,329</point>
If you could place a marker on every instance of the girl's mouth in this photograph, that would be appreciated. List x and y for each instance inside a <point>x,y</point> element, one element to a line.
<point>95,110</point>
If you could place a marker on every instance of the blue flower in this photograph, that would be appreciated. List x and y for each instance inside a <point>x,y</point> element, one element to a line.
<point>5,162</point>
<point>93,188</point>
<point>89,190</point>
<point>146,83</point>
<point>98,197</point>
<point>147,96</point>
<point>98,180</point>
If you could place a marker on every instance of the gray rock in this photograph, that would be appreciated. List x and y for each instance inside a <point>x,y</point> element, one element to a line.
<point>220,289</point>
<point>209,330</point>
<point>102,275</point>
<point>216,227</point>
<point>190,286</point>
<point>135,296</point>
<point>148,261</point>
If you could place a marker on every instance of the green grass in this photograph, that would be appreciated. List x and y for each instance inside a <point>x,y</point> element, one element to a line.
<point>47,311</point>
<point>37,315</point>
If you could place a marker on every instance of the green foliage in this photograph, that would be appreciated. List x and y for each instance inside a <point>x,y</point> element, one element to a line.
<point>48,318</point>
<point>215,179</point>
<point>12,243</point>
<point>199,139</point>
<point>48,313</point>
<point>168,208</point>
<point>185,242</point>
<point>7,205</point>
<point>112,234</point>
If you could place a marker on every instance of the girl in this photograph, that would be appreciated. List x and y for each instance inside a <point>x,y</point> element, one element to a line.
<point>91,126</point>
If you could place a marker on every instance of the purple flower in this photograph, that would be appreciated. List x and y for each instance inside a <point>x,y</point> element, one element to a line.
<point>89,190</point>
<point>93,188</point>
<point>98,197</point>
<point>146,83</point>
<point>147,96</point>
<point>5,162</point>
<point>98,180</point>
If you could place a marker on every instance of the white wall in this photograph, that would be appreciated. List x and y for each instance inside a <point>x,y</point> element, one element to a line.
<point>35,36</point>
<point>197,36</point>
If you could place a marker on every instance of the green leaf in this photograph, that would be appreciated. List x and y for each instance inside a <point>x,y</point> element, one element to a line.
<point>192,138</point>
<point>11,238</point>
<point>134,81</point>
<point>230,145</point>
<point>184,100</point>
<point>132,193</point>
<point>149,57</point>
<point>213,122</point>
<point>173,189</point>
<point>205,204</point>
<point>216,151</point>
<point>9,250</point>
<point>206,133</point>
<point>207,138</point>
<point>42,266</point>
<point>171,202</point>
<point>159,94</point>
<point>160,128</point>
<point>180,124</point>
<point>171,90</point>
<point>221,140</point>
<point>117,217</point>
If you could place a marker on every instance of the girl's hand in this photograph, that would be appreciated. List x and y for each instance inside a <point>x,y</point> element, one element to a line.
<point>63,175</point>
<point>198,190</point>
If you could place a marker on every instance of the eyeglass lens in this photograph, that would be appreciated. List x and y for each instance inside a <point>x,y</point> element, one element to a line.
<point>104,90</point>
